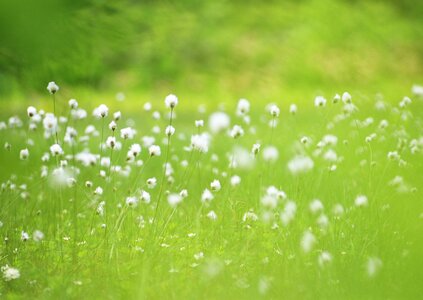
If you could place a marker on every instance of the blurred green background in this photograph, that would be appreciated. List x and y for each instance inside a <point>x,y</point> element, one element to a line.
<point>209,49</point>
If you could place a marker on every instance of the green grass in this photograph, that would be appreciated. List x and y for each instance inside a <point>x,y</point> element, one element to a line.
<point>242,260</point>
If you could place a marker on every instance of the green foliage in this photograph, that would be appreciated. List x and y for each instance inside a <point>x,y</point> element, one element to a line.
<point>224,47</point>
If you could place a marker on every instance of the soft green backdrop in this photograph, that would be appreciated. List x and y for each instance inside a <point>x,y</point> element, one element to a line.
<point>208,50</point>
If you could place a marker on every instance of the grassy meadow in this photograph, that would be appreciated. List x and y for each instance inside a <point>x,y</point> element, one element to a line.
<point>211,150</point>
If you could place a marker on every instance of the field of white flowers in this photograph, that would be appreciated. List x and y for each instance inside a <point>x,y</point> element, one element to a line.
<point>316,199</point>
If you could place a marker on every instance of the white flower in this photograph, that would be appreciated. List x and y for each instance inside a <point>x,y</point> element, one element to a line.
<point>112,126</point>
<point>98,191</point>
<point>56,150</point>
<point>307,242</point>
<point>336,98</point>
<point>324,258</point>
<point>111,142</point>
<point>117,115</point>
<point>373,266</point>
<point>215,185</point>
<point>207,196</point>
<point>269,201</point>
<point>274,110</point>
<point>73,104</point>
<point>249,216</point>
<point>24,236</point>
<point>218,122</point>
<point>131,201</point>
<point>171,101</point>
<point>127,133</point>
<point>154,150</point>
<point>300,164</point>
<point>10,273</point>
<point>38,236</point>
<point>243,107</point>
<point>24,153</point>
<point>183,193</point>
<point>212,215</point>
<point>293,109</point>
<point>361,200</point>
<point>147,106</point>
<point>31,111</point>
<point>174,199</point>
<point>145,196</point>
<point>134,150</point>
<point>200,142</point>
<point>319,101</point>
<point>256,149</point>
<point>52,87</point>
<point>235,180</point>
<point>170,130</point>
<point>151,182</point>
<point>346,97</point>
<point>199,123</point>
<point>49,121</point>
<point>270,153</point>
<point>236,131</point>
<point>101,112</point>
<point>316,206</point>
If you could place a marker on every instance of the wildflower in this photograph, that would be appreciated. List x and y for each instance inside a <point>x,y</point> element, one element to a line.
<point>307,241</point>
<point>112,126</point>
<point>274,110</point>
<point>218,122</point>
<point>393,155</point>
<point>24,236</point>
<point>101,112</point>
<point>305,140</point>
<point>336,98</point>
<point>24,153</point>
<point>212,215</point>
<point>270,153</point>
<point>207,196</point>
<point>131,201</point>
<point>249,216</point>
<point>147,106</point>
<point>73,104</point>
<point>300,164</point>
<point>171,101</point>
<point>31,111</point>
<point>111,142</point>
<point>235,180</point>
<point>324,258</point>
<point>293,109</point>
<point>256,149</point>
<point>98,191</point>
<point>199,123</point>
<point>316,206</point>
<point>154,150</point>
<point>346,97</point>
<point>145,196</point>
<point>151,182</point>
<point>174,199</point>
<point>288,213</point>
<point>127,133</point>
<point>10,273</point>
<point>117,115</point>
<point>38,236</point>
<point>170,130</point>
<point>243,107</point>
<point>200,142</point>
<point>56,150</point>
<point>269,201</point>
<point>236,131</point>
<point>373,266</point>
<point>361,200</point>
<point>319,101</point>
<point>183,193</point>
<point>215,185</point>
<point>52,87</point>
<point>134,150</point>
